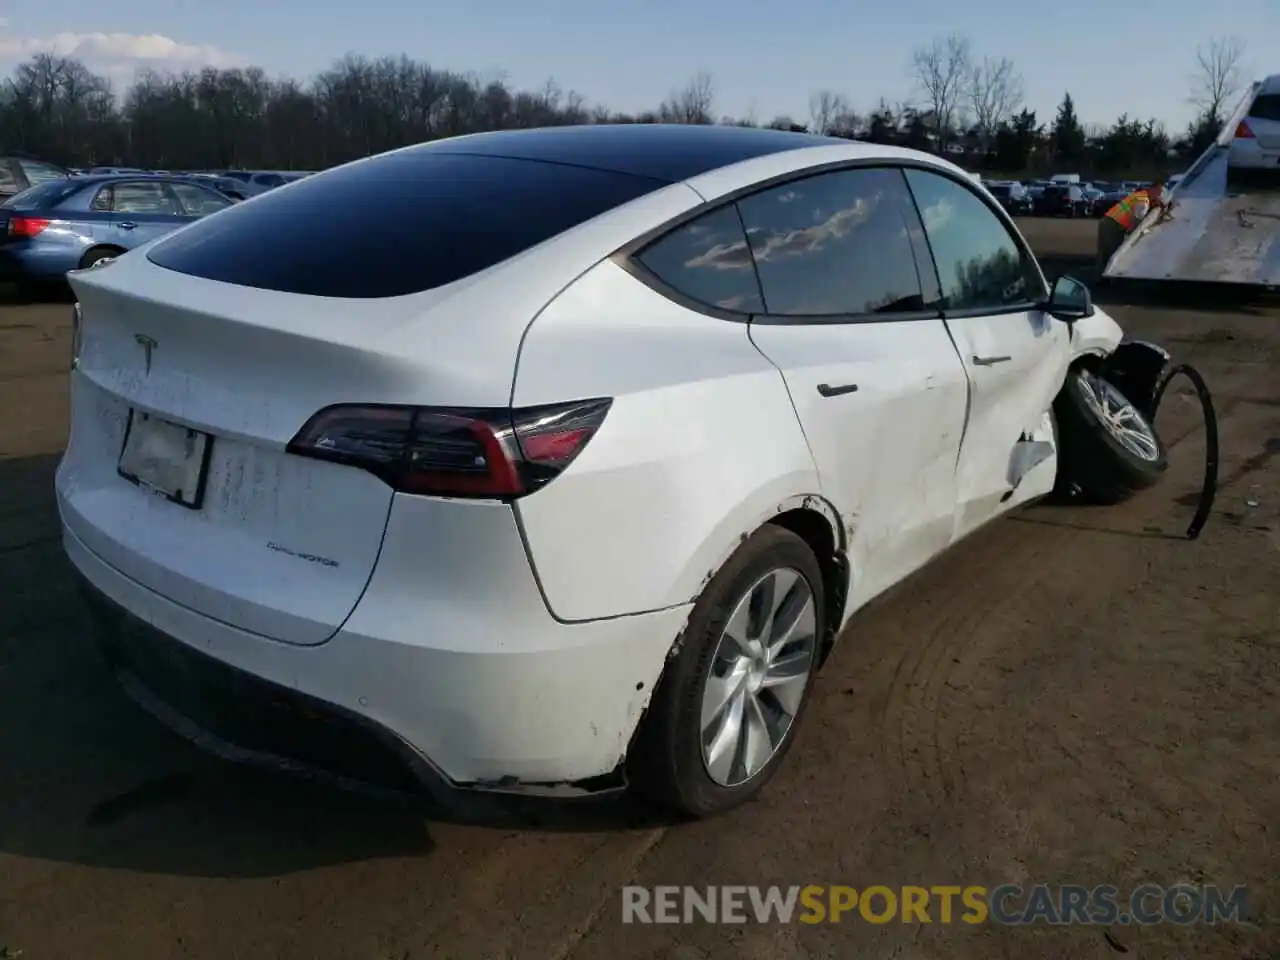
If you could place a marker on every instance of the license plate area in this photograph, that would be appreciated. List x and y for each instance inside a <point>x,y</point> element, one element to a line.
<point>166,459</point>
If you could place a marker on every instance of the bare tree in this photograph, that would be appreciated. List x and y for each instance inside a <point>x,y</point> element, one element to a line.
<point>994,92</point>
<point>942,70</point>
<point>826,110</point>
<point>692,103</point>
<point>1217,76</point>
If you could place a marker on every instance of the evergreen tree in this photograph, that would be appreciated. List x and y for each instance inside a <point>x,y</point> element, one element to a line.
<point>1068,135</point>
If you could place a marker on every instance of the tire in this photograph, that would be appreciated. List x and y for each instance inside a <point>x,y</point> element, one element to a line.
<point>1092,457</point>
<point>96,254</point>
<point>666,762</point>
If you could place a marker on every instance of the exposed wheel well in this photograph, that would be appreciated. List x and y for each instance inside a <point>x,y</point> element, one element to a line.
<point>103,248</point>
<point>815,530</point>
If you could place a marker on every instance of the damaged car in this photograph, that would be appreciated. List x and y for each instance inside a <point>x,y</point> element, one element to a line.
<point>564,474</point>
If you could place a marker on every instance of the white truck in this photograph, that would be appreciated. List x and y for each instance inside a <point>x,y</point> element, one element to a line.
<point>1213,232</point>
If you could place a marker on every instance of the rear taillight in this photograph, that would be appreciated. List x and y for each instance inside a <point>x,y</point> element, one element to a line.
<point>24,228</point>
<point>1243,132</point>
<point>448,452</point>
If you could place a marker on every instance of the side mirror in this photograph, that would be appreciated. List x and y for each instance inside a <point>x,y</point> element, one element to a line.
<point>1069,301</point>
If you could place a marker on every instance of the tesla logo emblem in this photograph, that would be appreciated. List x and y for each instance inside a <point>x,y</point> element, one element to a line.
<point>147,345</point>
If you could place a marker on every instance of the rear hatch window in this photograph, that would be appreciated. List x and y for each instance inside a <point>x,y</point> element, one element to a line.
<point>1266,107</point>
<point>1002,192</point>
<point>396,224</point>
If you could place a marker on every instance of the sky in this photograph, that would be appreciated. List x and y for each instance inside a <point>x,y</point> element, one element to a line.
<point>764,60</point>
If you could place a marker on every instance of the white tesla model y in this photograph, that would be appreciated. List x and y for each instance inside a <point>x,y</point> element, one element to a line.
<point>555,460</point>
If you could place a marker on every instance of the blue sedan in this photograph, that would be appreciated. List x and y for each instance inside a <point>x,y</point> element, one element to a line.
<point>69,224</point>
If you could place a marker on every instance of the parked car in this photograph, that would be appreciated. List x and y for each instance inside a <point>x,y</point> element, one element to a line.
<point>1254,153</point>
<point>1013,197</point>
<point>224,185</point>
<point>259,181</point>
<point>72,223</point>
<point>1061,200</point>
<point>21,173</point>
<point>1108,200</point>
<point>578,497</point>
<point>1091,194</point>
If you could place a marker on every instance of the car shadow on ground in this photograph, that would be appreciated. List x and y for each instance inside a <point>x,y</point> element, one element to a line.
<point>90,778</point>
<point>11,295</point>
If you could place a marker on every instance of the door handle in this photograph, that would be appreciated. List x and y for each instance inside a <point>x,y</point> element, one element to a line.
<point>827,390</point>
<point>126,225</point>
<point>989,361</point>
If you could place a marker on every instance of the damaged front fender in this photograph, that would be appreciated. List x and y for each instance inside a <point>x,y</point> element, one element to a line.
<point>1136,368</point>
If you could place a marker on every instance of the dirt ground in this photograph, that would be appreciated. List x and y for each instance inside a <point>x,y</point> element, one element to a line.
<point>1071,696</point>
<point>1057,237</point>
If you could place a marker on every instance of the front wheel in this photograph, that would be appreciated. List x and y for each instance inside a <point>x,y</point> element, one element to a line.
<point>1106,447</point>
<point>726,709</point>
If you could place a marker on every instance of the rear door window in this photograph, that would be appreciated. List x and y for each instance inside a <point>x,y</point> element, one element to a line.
<point>145,198</point>
<point>708,261</point>
<point>396,224</point>
<point>835,244</point>
<point>1266,107</point>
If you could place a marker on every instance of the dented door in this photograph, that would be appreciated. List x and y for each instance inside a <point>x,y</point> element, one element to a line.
<point>1015,355</point>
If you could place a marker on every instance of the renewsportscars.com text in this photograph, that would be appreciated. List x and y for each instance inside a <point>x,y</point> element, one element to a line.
<point>1009,904</point>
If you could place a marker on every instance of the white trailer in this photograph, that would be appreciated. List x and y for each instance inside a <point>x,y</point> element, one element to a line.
<point>1213,234</point>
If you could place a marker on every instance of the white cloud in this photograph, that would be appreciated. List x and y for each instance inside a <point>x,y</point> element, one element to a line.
<point>116,53</point>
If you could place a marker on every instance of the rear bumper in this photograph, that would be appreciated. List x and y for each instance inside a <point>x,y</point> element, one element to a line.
<point>554,720</point>
<point>1250,155</point>
<point>242,717</point>
<point>23,261</point>
<point>12,269</point>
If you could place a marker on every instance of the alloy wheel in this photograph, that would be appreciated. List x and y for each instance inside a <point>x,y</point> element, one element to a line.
<point>758,676</point>
<point>1119,417</point>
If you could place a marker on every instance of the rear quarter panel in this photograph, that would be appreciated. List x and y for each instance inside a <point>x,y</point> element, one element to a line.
<point>701,446</point>
<point>57,249</point>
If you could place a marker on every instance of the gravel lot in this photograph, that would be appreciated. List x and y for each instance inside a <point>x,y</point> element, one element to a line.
<point>1071,696</point>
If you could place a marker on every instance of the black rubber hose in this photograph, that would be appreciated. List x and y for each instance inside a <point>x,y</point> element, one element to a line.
<point>1209,491</point>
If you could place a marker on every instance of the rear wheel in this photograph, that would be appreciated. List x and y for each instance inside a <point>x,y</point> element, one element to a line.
<point>726,709</point>
<point>98,254</point>
<point>1106,447</point>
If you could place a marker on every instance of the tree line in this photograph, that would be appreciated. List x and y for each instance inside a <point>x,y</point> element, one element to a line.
<point>966,106</point>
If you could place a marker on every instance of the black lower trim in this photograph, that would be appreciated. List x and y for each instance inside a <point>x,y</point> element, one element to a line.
<point>246,718</point>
